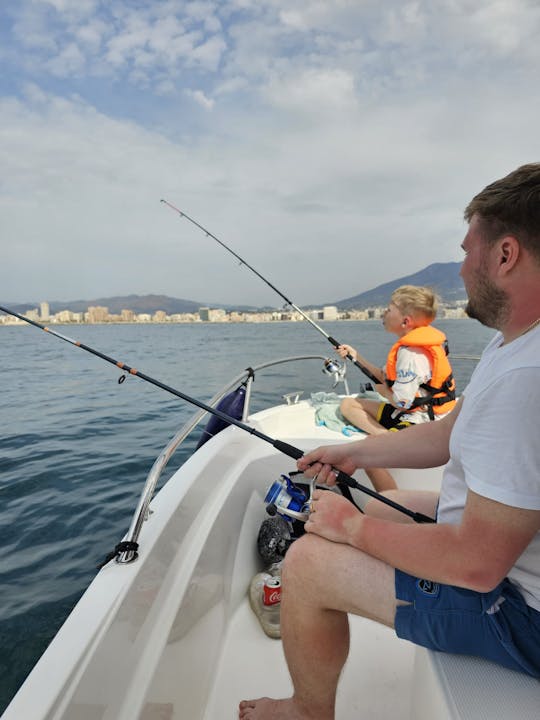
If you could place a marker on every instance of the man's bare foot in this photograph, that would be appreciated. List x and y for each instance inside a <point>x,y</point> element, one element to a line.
<point>268,709</point>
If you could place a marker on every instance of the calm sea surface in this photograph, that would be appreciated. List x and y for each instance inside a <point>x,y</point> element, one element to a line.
<point>76,445</point>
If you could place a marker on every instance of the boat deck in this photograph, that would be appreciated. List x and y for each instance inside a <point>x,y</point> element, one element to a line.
<point>376,681</point>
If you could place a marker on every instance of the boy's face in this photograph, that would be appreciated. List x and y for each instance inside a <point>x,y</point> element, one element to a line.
<point>394,320</point>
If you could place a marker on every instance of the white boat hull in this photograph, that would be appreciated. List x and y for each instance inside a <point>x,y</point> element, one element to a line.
<point>171,636</point>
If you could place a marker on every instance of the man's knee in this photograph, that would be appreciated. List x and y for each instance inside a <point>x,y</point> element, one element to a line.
<point>303,556</point>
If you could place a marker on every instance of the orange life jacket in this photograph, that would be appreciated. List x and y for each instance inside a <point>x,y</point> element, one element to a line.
<point>441,389</point>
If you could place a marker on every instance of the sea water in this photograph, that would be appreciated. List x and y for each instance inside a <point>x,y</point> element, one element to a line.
<point>76,445</point>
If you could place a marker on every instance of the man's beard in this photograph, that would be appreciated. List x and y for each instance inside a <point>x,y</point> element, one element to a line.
<point>487,303</point>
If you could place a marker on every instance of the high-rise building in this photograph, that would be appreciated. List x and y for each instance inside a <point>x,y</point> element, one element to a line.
<point>330,312</point>
<point>97,314</point>
<point>160,316</point>
<point>32,314</point>
<point>45,312</point>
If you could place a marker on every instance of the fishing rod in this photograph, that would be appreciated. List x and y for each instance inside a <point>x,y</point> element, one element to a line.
<point>330,339</point>
<point>287,449</point>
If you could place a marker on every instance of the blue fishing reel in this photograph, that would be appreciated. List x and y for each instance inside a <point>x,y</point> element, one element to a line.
<point>288,505</point>
<point>288,500</point>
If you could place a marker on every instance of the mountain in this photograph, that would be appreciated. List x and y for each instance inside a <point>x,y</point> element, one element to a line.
<point>137,303</point>
<point>442,277</point>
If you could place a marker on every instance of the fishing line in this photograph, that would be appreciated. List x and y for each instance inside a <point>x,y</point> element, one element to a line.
<point>330,339</point>
<point>289,450</point>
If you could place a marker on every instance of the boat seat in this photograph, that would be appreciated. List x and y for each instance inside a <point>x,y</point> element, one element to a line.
<point>469,688</point>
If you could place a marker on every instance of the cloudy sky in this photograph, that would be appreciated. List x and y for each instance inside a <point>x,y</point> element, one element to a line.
<point>331,143</point>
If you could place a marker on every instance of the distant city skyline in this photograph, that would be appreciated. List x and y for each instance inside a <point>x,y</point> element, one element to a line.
<point>100,315</point>
<point>445,278</point>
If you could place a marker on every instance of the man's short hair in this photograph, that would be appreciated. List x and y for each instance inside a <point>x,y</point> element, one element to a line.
<point>511,206</point>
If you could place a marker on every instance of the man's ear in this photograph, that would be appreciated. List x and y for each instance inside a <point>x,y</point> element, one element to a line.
<point>509,250</point>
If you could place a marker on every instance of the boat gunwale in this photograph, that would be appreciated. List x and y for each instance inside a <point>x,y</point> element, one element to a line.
<point>141,511</point>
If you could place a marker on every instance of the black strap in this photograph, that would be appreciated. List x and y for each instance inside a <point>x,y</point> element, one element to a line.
<point>251,374</point>
<point>344,489</point>
<point>124,546</point>
<point>448,388</point>
<point>346,492</point>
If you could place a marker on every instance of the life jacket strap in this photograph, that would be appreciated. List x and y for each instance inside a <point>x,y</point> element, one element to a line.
<point>448,388</point>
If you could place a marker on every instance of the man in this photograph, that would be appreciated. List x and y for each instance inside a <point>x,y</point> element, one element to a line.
<point>471,582</point>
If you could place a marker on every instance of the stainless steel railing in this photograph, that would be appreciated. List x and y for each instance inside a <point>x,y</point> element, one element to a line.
<point>143,507</point>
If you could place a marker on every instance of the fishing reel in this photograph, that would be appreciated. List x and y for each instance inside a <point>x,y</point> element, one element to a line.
<point>288,499</point>
<point>335,369</point>
<point>288,505</point>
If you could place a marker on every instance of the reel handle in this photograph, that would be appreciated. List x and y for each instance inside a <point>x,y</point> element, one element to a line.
<point>342,477</point>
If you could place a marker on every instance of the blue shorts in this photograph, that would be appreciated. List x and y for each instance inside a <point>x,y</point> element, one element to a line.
<point>497,625</point>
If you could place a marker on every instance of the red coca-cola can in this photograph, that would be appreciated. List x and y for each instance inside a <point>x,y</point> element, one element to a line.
<point>272,591</point>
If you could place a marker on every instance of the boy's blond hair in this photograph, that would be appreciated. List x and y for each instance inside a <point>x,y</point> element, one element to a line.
<point>420,303</point>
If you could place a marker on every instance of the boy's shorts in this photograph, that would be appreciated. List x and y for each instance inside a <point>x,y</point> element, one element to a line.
<point>392,418</point>
<point>497,625</point>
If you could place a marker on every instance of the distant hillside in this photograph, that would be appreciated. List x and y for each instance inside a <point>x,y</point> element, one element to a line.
<point>137,303</point>
<point>442,277</point>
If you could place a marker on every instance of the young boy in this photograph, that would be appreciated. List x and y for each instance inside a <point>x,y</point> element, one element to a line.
<point>417,378</point>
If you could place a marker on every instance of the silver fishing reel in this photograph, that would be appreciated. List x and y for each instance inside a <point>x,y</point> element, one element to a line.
<point>336,370</point>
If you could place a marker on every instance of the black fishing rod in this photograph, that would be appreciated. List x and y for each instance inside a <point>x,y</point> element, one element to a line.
<point>330,339</point>
<point>289,450</point>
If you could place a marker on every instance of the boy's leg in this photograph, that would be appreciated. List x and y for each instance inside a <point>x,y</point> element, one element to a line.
<point>381,479</point>
<point>362,414</point>
<point>423,501</point>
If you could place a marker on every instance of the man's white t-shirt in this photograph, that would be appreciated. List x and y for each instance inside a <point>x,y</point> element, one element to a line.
<point>495,444</point>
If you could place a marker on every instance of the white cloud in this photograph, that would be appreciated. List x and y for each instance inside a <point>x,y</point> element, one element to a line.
<point>164,88</point>
<point>251,39</point>
<point>293,19</point>
<point>70,61</point>
<point>34,94</point>
<point>208,54</point>
<point>231,85</point>
<point>71,8</point>
<point>123,46</point>
<point>306,15</point>
<point>201,11</point>
<point>201,99</point>
<point>92,35</point>
<point>505,25</point>
<point>313,92</point>
<point>333,144</point>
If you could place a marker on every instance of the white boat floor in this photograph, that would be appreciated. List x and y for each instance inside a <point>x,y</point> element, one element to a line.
<point>376,681</point>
